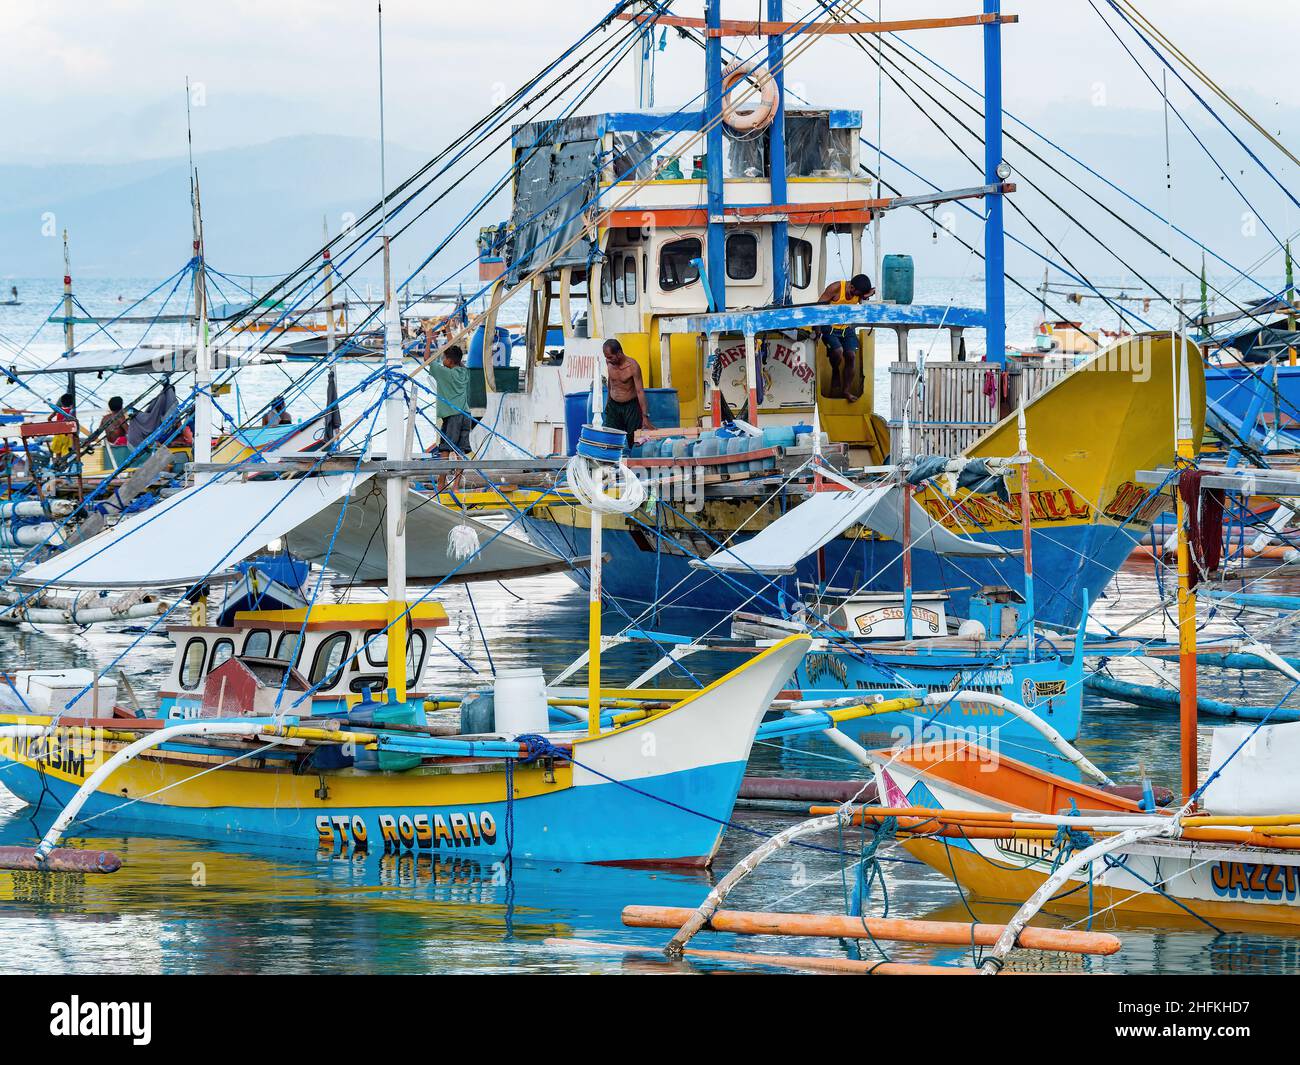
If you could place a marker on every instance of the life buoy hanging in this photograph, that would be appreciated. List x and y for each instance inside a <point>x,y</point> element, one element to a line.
<point>751,115</point>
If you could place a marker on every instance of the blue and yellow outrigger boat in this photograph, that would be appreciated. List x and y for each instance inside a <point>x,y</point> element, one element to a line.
<point>299,726</point>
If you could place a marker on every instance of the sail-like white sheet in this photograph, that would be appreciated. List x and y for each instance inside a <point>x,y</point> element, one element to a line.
<point>200,533</point>
<point>813,524</point>
<point>142,360</point>
<point>360,547</point>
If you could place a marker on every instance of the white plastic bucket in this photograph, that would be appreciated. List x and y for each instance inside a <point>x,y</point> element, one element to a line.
<point>519,697</point>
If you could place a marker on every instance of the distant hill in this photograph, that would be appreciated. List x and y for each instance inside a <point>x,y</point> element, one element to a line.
<point>263,207</point>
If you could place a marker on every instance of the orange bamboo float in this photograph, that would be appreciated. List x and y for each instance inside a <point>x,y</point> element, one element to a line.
<point>940,933</point>
<point>1278,551</point>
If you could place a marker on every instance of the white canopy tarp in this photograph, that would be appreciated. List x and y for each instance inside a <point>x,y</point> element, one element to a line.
<point>360,549</point>
<point>814,523</point>
<point>202,532</point>
<point>141,360</point>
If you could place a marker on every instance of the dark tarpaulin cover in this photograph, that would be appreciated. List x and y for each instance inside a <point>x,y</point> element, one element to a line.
<point>144,423</point>
<point>556,187</point>
<point>1262,343</point>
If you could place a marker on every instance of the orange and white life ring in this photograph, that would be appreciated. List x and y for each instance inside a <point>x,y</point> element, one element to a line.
<point>752,114</point>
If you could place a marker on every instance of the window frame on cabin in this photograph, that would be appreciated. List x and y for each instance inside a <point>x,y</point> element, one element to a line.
<point>322,676</point>
<point>684,281</point>
<point>181,673</point>
<point>248,639</point>
<point>742,234</point>
<point>790,262</point>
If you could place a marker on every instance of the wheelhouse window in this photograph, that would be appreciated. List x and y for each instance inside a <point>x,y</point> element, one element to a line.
<point>221,651</point>
<point>192,663</point>
<point>328,662</point>
<point>287,646</point>
<point>801,257</point>
<point>742,256</point>
<point>614,265</point>
<point>376,654</point>
<point>376,648</point>
<point>258,643</point>
<point>606,281</point>
<point>676,269</point>
<point>629,278</point>
<point>416,645</point>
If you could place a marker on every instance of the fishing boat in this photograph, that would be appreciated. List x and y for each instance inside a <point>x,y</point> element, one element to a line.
<point>320,737</point>
<point>710,279</point>
<point>892,645</point>
<point>1226,852</point>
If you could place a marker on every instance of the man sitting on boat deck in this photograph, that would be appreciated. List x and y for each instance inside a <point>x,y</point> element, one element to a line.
<point>625,406</point>
<point>842,340</point>
<point>277,413</point>
<point>113,425</point>
<point>451,378</point>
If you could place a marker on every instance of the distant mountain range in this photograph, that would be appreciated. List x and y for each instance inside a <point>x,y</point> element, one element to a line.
<point>263,207</point>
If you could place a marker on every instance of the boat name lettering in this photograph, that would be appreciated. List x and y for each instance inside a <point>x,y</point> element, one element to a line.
<point>820,664</point>
<point>472,828</point>
<point>66,750</point>
<point>1244,880</point>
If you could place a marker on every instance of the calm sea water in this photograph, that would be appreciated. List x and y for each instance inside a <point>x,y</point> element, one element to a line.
<point>182,906</point>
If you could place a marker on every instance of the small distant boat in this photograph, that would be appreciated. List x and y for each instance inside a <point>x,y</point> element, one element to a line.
<point>13,300</point>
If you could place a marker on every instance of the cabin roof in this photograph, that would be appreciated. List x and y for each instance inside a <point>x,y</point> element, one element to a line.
<point>813,314</point>
<point>342,616</point>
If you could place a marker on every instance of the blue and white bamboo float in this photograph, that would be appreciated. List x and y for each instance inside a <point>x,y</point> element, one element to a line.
<point>1229,596</point>
<point>1146,695</point>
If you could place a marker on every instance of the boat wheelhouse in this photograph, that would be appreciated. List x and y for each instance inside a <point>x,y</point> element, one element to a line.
<point>646,265</point>
<point>338,654</point>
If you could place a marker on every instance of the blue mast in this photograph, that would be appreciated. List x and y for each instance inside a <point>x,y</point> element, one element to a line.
<point>716,254</point>
<point>777,173</point>
<point>995,291</point>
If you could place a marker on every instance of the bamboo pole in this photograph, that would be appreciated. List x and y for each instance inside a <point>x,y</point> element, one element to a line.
<point>779,961</point>
<point>713,901</point>
<point>838,926</point>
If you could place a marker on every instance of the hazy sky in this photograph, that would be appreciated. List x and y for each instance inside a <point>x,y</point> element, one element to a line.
<point>103,81</point>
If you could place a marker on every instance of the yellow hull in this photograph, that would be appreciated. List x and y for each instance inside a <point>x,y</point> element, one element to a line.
<point>993,881</point>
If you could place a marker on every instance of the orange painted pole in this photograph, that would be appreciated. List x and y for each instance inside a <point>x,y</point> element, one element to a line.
<point>941,933</point>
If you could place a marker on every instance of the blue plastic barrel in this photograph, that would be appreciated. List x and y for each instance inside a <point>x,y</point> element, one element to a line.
<point>476,347</point>
<point>664,409</point>
<point>899,279</point>
<point>660,402</point>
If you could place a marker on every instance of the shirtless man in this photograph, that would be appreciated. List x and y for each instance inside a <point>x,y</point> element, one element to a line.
<point>625,404</point>
<point>841,340</point>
